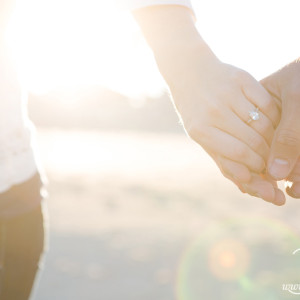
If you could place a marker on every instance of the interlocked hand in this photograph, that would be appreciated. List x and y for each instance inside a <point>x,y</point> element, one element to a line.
<point>224,109</point>
<point>284,162</point>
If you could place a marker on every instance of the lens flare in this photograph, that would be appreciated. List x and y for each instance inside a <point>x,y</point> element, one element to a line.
<point>240,259</point>
<point>229,259</point>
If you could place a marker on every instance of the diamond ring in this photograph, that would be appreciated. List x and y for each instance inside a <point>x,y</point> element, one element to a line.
<point>254,115</point>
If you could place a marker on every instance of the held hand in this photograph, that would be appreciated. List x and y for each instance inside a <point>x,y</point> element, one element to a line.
<point>213,99</point>
<point>217,119</point>
<point>214,104</point>
<point>257,185</point>
<point>284,162</point>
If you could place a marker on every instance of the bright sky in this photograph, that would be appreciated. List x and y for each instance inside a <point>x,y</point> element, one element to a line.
<point>71,43</point>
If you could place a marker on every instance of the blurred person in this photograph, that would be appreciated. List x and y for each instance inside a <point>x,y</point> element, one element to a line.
<point>21,213</point>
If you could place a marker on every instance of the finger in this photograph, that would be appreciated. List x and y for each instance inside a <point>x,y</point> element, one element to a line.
<point>265,189</point>
<point>279,199</point>
<point>262,126</point>
<point>214,140</point>
<point>268,84</point>
<point>284,149</point>
<point>232,170</point>
<point>253,184</point>
<point>286,143</point>
<point>294,176</point>
<point>261,188</point>
<point>294,190</point>
<point>260,98</point>
<point>237,128</point>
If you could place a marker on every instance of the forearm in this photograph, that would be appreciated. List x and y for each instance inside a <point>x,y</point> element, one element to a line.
<point>171,33</point>
<point>212,98</point>
<point>166,25</point>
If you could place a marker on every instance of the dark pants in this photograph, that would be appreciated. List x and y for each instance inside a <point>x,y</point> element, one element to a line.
<point>21,241</point>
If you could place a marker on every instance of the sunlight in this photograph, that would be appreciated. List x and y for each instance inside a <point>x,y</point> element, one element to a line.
<point>66,43</point>
<point>70,43</point>
<point>257,36</point>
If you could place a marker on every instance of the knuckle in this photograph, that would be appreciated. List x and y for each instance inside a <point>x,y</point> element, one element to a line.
<point>224,169</point>
<point>267,103</point>
<point>225,173</point>
<point>248,157</point>
<point>256,142</point>
<point>259,165</point>
<point>288,137</point>
<point>239,75</point>
<point>226,92</point>
<point>294,92</point>
<point>213,111</point>
<point>265,126</point>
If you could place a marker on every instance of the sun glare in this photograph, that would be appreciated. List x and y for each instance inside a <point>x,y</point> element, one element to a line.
<point>69,43</point>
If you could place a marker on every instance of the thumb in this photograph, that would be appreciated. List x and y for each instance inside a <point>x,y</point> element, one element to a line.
<point>286,142</point>
<point>284,85</point>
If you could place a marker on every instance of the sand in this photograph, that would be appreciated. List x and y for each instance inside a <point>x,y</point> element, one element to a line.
<point>138,216</point>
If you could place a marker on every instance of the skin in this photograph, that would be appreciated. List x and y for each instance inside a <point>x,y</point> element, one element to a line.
<point>213,99</point>
<point>284,161</point>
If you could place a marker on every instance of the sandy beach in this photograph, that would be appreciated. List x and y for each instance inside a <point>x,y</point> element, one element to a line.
<point>141,215</point>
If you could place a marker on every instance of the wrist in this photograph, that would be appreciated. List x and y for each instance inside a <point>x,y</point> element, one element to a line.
<point>174,39</point>
<point>162,25</point>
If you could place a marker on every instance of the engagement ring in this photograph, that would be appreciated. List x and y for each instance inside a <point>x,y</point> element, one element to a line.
<point>254,115</point>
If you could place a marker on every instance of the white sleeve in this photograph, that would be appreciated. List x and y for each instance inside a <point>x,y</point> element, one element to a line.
<point>134,4</point>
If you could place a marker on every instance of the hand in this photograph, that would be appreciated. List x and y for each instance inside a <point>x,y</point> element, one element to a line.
<point>217,120</point>
<point>209,122</point>
<point>212,98</point>
<point>259,185</point>
<point>284,162</point>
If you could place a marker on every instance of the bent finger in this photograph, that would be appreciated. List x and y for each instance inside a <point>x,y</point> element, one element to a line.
<point>262,125</point>
<point>259,96</point>
<point>265,189</point>
<point>232,170</point>
<point>244,133</point>
<point>223,144</point>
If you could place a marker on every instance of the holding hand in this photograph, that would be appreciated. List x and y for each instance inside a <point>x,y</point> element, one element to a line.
<point>284,162</point>
<point>213,99</point>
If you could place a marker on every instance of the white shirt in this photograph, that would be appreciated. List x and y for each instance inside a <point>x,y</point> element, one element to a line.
<point>17,159</point>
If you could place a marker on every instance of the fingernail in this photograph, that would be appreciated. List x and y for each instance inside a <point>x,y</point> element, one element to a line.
<point>279,168</point>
